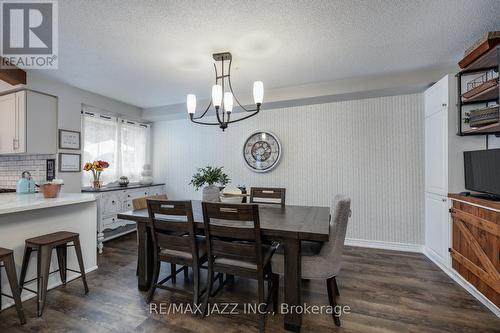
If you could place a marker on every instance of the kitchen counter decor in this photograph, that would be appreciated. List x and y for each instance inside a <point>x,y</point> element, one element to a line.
<point>97,167</point>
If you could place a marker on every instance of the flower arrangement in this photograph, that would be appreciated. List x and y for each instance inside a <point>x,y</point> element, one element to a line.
<point>96,167</point>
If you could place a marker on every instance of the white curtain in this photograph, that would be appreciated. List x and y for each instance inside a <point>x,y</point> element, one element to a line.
<point>121,143</point>
<point>134,145</point>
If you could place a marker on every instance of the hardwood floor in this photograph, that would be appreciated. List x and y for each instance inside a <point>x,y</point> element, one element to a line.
<point>387,291</point>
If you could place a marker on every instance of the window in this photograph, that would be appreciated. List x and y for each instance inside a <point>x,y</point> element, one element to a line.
<point>120,142</point>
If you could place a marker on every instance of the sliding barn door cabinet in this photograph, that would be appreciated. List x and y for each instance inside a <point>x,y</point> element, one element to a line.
<point>476,243</point>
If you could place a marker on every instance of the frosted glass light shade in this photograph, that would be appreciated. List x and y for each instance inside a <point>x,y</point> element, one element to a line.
<point>228,102</point>
<point>217,95</point>
<point>258,92</point>
<point>191,103</point>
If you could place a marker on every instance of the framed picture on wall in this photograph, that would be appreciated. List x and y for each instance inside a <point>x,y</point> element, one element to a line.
<point>70,162</point>
<point>69,139</point>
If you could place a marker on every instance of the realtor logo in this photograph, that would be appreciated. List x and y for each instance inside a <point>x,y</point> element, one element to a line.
<point>29,35</point>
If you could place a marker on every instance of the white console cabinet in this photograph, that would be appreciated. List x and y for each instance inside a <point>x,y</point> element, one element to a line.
<point>113,202</point>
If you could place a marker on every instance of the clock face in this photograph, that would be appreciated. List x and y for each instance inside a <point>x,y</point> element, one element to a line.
<point>262,151</point>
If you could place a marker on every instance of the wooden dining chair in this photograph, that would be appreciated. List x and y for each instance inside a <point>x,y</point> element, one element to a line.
<point>326,265</point>
<point>234,247</point>
<point>268,195</point>
<point>175,242</point>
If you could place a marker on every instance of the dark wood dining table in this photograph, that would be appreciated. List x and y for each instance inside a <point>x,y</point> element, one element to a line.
<point>289,225</point>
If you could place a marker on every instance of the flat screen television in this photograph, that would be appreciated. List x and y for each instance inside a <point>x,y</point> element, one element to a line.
<point>482,172</point>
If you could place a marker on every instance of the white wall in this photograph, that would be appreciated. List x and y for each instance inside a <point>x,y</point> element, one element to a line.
<point>70,100</point>
<point>371,150</point>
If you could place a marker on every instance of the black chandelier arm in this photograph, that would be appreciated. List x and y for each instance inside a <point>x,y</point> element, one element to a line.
<point>243,118</point>
<point>231,88</point>
<point>194,120</point>
<point>205,112</point>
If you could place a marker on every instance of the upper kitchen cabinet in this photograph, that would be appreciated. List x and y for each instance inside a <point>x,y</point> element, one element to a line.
<point>28,123</point>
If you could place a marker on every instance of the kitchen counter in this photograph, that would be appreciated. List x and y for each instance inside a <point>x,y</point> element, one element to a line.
<point>24,216</point>
<point>13,202</point>
<point>118,188</point>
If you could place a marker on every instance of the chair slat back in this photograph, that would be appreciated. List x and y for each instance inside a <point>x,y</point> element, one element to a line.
<point>268,195</point>
<point>140,203</point>
<point>168,229</point>
<point>233,231</point>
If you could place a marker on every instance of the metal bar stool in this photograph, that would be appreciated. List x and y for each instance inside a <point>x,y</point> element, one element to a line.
<point>44,246</point>
<point>7,257</point>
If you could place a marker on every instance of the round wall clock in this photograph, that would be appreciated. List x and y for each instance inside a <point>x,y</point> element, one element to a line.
<point>262,151</point>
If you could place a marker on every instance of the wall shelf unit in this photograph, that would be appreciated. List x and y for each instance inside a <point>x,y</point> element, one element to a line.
<point>487,93</point>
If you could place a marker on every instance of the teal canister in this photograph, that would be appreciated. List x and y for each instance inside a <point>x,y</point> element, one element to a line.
<point>26,184</point>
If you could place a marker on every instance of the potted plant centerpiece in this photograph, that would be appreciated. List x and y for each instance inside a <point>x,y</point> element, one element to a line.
<point>212,177</point>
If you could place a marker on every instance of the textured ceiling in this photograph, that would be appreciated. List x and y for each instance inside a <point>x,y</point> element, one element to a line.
<point>151,53</point>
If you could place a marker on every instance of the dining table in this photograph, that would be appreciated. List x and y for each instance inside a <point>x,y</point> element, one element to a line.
<point>287,224</point>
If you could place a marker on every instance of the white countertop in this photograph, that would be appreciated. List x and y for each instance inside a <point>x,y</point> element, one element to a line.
<point>13,202</point>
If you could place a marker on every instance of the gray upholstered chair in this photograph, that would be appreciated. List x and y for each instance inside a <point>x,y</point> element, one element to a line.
<point>326,265</point>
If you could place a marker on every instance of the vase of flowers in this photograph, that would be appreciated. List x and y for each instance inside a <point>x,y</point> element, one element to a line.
<point>97,167</point>
<point>210,178</point>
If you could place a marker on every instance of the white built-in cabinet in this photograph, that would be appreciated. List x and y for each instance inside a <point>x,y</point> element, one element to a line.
<point>28,123</point>
<point>439,105</point>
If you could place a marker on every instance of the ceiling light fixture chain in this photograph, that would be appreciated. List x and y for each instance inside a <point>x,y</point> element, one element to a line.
<point>223,100</point>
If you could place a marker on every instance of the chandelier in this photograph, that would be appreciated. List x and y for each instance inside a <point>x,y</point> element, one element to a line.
<point>223,96</point>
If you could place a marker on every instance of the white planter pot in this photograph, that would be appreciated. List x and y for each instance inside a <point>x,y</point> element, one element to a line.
<point>211,193</point>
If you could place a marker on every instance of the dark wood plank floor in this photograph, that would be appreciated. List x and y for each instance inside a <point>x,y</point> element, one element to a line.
<point>387,291</point>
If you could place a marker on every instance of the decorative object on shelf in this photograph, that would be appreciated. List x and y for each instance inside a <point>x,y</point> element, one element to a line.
<point>262,151</point>
<point>481,85</point>
<point>482,64</point>
<point>51,169</point>
<point>97,167</point>
<point>213,177</point>
<point>146,175</point>
<point>26,184</point>
<point>69,162</point>
<point>69,139</point>
<point>484,116</point>
<point>51,189</point>
<point>124,181</point>
<point>488,41</point>
<point>222,99</point>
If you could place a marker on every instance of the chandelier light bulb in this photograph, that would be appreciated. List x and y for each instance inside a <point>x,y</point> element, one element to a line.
<point>228,102</point>
<point>217,95</point>
<point>258,92</point>
<point>191,103</point>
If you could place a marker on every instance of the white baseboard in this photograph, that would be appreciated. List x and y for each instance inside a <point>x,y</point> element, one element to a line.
<point>384,245</point>
<point>464,284</point>
<point>29,295</point>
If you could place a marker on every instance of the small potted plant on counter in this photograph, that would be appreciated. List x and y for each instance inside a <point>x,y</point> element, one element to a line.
<point>96,167</point>
<point>212,177</point>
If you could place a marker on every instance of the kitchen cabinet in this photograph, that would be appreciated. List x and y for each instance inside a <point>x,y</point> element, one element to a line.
<point>438,100</point>
<point>438,227</point>
<point>29,123</point>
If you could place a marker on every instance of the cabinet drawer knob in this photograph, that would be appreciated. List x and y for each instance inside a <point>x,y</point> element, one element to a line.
<point>444,104</point>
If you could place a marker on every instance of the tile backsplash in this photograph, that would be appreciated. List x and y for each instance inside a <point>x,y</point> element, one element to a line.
<point>11,168</point>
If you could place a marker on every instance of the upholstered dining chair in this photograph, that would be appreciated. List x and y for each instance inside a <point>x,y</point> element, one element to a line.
<point>326,265</point>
